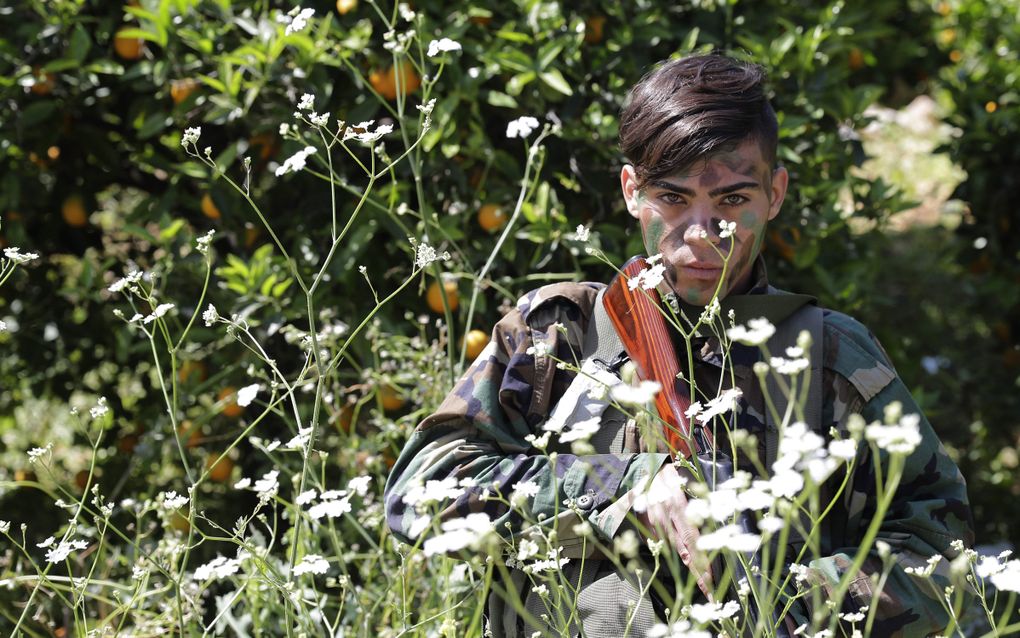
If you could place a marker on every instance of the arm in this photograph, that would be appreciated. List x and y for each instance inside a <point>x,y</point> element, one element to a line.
<point>477,437</point>
<point>928,512</point>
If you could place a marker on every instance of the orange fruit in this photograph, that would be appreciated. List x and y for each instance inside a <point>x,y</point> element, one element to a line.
<point>209,208</point>
<point>345,418</point>
<point>385,81</point>
<point>73,211</point>
<point>955,56</point>
<point>593,29</point>
<point>181,90</point>
<point>491,217</point>
<point>127,47</point>
<point>483,21</point>
<point>81,479</point>
<point>390,397</point>
<point>855,59</point>
<point>53,152</point>
<point>219,471</point>
<point>230,408</point>
<point>44,82</point>
<point>345,6</point>
<point>127,443</point>
<point>24,475</point>
<point>434,298</point>
<point>192,370</point>
<point>251,235</point>
<point>190,433</point>
<point>991,107</point>
<point>475,341</point>
<point>266,143</point>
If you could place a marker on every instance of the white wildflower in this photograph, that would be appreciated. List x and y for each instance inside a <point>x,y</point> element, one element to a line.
<point>427,107</point>
<point>319,119</point>
<point>523,492</point>
<point>160,310</point>
<point>15,255</point>
<point>458,533</point>
<point>297,20</point>
<point>300,441</point>
<point>203,242</point>
<point>210,316</point>
<point>539,350</point>
<point>306,497</point>
<point>267,486</point>
<point>582,430</point>
<point>928,569</point>
<point>845,449</point>
<point>1009,578</point>
<point>406,12</point>
<point>3,325</point>
<point>173,501</point>
<point>247,394</point>
<point>295,162</point>
<point>191,135</point>
<point>789,366</point>
<point>771,524</point>
<point>712,612</point>
<point>649,278</point>
<point>243,484</point>
<point>46,543</point>
<point>332,508</point>
<point>786,484</point>
<point>641,394</point>
<point>901,438</point>
<point>726,229</point>
<point>359,484</point>
<point>521,127</point>
<point>311,564</point>
<point>755,333</point>
<point>307,102</point>
<point>99,409</point>
<point>216,569</point>
<point>5,526</point>
<point>444,45</point>
<point>64,549</point>
<point>527,549</point>
<point>729,537</point>
<point>720,405</point>
<point>582,233</point>
<point>37,452</point>
<point>424,255</point>
<point>433,492</point>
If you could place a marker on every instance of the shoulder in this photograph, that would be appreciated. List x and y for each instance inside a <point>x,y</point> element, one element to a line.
<point>559,302</point>
<point>852,351</point>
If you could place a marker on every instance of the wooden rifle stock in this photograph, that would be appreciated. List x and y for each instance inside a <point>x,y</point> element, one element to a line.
<point>645,336</point>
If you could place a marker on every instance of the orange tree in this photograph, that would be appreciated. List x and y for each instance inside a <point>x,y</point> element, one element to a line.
<point>96,97</point>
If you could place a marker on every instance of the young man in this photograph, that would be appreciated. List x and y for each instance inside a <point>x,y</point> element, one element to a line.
<point>701,140</point>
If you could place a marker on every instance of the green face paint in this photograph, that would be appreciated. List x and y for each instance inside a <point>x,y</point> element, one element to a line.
<point>748,219</point>
<point>653,234</point>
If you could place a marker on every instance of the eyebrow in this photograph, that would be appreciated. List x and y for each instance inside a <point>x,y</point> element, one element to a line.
<point>715,192</point>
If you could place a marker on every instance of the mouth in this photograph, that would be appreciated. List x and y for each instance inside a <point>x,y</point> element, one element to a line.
<point>700,270</point>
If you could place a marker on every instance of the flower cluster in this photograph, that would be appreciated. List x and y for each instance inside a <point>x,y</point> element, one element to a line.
<point>522,127</point>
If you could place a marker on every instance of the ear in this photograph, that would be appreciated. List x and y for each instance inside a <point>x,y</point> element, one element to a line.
<point>780,180</point>
<point>628,185</point>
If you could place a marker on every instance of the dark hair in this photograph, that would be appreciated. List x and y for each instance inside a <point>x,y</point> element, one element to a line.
<point>692,108</point>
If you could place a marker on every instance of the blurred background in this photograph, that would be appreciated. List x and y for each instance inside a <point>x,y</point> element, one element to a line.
<point>899,126</point>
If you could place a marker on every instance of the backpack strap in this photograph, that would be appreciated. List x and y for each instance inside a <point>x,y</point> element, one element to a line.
<point>808,317</point>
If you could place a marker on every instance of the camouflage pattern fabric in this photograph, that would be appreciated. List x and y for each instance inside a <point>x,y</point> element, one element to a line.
<point>479,431</point>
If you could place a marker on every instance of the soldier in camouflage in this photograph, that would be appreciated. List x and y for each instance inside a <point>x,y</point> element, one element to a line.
<point>701,139</point>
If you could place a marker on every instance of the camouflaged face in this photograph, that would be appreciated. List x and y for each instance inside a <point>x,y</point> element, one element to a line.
<point>478,435</point>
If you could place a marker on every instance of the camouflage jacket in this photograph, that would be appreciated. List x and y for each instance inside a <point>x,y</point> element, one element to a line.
<point>479,433</point>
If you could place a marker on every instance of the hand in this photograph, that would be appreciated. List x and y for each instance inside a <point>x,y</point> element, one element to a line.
<point>660,510</point>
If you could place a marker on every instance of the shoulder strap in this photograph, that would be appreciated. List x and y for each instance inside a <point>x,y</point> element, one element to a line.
<point>601,341</point>
<point>807,317</point>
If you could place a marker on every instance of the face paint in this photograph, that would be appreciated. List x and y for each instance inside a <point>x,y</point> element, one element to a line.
<point>653,233</point>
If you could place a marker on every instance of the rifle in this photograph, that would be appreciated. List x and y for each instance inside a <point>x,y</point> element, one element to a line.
<point>645,336</point>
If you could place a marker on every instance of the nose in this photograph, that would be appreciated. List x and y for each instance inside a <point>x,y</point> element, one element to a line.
<point>703,228</point>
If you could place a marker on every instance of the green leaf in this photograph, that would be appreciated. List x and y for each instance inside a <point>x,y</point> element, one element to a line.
<point>154,124</point>
<point>555,80</point>
<point>107,67</point>
<point>518,82</point>
<point>80,43</point>
<point>548,53</point>
<point>213,82</point>
<point>36,113</point>
<point>496,98</point>
<point>515,36</point>
<point>171,231</point>
<point>63,64</point>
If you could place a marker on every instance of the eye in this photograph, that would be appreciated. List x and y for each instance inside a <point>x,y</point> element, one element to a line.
<point>735,200</point>
<point>670,197</point>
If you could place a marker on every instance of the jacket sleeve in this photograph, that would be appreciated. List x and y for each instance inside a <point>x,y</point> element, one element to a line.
<point>476,440</point>
<point>929,511</point>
